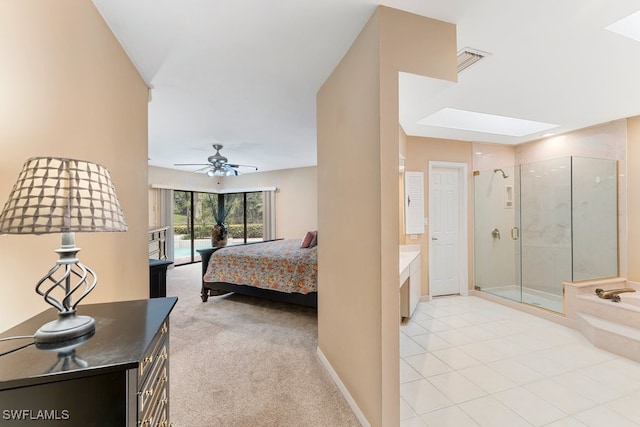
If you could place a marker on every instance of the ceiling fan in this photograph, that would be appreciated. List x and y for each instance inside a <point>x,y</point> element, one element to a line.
<point>217,165</point>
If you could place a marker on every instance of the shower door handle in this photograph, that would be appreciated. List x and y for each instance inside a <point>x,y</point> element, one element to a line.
<point>515,233</point>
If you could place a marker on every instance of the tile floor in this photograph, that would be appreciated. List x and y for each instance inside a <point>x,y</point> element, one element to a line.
<point>466,361</point>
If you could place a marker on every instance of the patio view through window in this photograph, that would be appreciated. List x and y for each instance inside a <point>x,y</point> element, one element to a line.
<point>195,214</point>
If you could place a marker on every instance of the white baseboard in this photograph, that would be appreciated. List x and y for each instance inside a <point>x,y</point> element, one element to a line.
<point>336,379</point>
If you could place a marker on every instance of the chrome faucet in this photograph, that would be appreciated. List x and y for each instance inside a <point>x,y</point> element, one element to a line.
<point>613,294</point>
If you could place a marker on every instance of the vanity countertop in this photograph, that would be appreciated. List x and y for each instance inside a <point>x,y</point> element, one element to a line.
<point>407,254</point>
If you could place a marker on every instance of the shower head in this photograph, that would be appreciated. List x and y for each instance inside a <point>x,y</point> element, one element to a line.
<point>504,174</point>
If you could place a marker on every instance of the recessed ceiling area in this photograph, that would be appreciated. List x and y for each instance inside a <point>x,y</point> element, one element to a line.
<point>245,74</point>
<point>452,118</point>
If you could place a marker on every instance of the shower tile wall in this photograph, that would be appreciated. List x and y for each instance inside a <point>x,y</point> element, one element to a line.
<point>606,141</point>
<point>594,218</point>
<point>546,224</point>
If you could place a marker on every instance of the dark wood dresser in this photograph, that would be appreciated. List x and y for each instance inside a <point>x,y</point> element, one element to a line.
<point>117,377</point>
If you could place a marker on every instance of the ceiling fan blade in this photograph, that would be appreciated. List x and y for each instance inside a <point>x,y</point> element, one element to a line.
<point>242,166</point>
<point>201,169</point>
<point>191,164</point>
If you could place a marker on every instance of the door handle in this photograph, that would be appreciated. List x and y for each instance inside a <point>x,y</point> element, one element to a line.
<point>515,233</point>
<point>434,238</point>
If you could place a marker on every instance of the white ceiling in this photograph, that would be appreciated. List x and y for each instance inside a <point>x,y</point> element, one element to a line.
<point>244,73</point>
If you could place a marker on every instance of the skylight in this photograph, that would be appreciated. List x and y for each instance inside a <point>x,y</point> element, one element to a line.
<point>487,123</point>
<point>627,27</point>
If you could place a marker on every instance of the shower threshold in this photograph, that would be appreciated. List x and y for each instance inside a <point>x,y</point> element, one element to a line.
<point>529,296</point>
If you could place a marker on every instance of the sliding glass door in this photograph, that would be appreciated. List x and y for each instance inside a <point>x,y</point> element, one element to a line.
<point>195,214</point>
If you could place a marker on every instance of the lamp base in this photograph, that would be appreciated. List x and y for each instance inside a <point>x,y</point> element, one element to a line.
<point>67,327</point>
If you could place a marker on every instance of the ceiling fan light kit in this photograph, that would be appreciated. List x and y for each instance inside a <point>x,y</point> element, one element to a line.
<point>218,165</point>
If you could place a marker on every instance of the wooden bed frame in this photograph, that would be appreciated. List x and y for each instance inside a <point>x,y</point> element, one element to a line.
<point>221,288</point>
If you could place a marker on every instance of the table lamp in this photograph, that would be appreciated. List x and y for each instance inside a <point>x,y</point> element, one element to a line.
<point>58,195</point>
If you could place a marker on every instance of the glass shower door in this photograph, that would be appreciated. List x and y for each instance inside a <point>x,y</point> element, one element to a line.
<point>496,233</point>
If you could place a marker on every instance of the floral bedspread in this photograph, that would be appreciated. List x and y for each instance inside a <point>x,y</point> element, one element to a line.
<point>279,265</point>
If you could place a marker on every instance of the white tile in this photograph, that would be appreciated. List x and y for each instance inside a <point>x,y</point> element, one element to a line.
<point>576,355</point>
<point>626,406</point>
<point>427,364</point>
<point>603,417</point>
<point>530,342</point>
<point>529,406</point>
<point>431,342</point>
<point>422,396</point>
<point>455,322</point>
<point>588,387</point>
<point>476,318</point>
<point>455,337</point>
<point>410,329</point>
<point>516,371</point>
<point>419,315</point>
<point>412,422</point>
<point>567,422</point>
<point>486,378</point>
<point>499,328</point>
<point>456,387</point>
<point>408,347</point>
<point>482,351</point>
<point>539,363</point>
<point>477,333</point>
<point>434,325</point>
<point>506,348</point>
<point>610,376</point>
<point>560,396</point>
<point>451,416</point>
<point>406,412</point>
<point>537,371</point>
<point>455,358</point>
<point>630,368</point>
<point>407,373</point>
<point>489,412</point>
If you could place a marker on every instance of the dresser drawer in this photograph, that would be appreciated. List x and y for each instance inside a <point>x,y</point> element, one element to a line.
<point>155,382</point>
<point>153,351</point>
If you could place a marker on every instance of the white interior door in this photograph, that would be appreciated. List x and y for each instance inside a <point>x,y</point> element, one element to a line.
<point>447,264</point>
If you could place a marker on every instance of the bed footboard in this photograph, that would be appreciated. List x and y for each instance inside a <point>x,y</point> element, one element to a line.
<point>221,288</point>
<point>207,290</point>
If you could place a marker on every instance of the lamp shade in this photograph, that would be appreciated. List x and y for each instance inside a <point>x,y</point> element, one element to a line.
<point>57,195</point>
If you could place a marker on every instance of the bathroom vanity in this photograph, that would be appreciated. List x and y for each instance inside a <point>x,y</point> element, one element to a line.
<point>409,279</point>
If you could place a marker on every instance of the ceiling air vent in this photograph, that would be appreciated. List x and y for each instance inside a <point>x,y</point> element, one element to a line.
<point>467,57</point>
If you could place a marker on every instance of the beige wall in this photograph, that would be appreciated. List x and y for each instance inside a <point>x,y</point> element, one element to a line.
<point>296,195</point>
<point>68,89</point>
<point>296,198</point>
<point>420,151</point>
<point>357,202</point>
<point>633,198</point>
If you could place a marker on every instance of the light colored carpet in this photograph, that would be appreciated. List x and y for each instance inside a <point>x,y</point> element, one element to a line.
<point>242,361</point>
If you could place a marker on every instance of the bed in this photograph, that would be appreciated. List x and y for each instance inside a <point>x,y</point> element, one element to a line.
<point>279,270</point>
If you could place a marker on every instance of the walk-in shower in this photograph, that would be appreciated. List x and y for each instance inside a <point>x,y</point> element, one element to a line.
<point>539,224</point>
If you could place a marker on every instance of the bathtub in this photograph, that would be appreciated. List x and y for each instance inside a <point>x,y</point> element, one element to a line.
<point>631,298</point>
